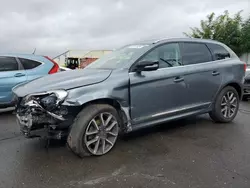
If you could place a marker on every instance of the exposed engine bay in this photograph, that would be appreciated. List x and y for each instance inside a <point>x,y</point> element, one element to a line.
<point>43,115</point>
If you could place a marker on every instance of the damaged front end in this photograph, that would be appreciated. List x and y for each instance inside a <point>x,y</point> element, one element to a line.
<point>43,115</point>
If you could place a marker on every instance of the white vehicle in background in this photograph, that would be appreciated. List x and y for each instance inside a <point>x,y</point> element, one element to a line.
<point>64,69</point>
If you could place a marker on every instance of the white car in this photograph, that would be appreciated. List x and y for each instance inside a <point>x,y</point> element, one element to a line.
<point>64,69</point>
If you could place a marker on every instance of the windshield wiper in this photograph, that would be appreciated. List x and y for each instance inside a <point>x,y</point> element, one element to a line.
<point>170,60</point>
<point>166,62</point>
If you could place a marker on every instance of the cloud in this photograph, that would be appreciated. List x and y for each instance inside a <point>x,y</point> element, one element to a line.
<point>55,26</point>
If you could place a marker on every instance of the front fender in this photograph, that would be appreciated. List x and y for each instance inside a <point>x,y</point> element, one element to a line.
<point>85,98</point>
<point>120,96</point>
<point>115,88</point>
<point>80,96</point>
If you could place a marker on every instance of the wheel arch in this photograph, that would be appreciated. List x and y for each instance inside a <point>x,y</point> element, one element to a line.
<point>236,86</point>
<point>216,113</point>
<point>109,101</point>
<point>122,110</point>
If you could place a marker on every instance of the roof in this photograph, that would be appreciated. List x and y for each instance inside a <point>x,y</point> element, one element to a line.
<point>19,55</point>
<point>156,41</point>
<point>25,56</point>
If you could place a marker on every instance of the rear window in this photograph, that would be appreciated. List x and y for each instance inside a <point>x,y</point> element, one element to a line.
<point>219,52</point>
<point>29,64</point>
<point>8,64</point>
<point>193,53</point>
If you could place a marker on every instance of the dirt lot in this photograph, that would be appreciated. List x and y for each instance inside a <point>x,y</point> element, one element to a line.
<point>193,152</point>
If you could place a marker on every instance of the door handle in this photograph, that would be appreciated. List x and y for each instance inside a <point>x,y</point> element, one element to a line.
<point>215,73</point>
<point>19,75</point>
<point>178,79</point>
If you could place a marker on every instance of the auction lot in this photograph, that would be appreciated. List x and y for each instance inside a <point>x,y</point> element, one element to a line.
<point>193,152</point>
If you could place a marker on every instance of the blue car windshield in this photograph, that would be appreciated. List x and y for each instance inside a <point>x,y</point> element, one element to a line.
<point>119,58</point>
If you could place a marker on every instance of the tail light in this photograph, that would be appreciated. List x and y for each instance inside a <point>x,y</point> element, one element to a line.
<point>55,67</point>
<point>245,67</point>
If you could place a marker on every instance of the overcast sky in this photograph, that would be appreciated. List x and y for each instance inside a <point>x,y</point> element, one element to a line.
<point>54,26</point>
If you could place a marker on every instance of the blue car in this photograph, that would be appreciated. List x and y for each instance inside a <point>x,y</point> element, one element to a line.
<point>18,68</point>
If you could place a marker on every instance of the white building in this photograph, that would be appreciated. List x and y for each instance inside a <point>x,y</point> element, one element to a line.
<point>246,58</point>
<point>79,54</point>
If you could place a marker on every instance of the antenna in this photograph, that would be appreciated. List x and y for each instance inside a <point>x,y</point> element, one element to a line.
<point>34,51</point>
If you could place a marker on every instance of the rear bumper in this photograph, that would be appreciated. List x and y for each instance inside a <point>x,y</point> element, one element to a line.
<point>7,105</point>
<point>10,103</point>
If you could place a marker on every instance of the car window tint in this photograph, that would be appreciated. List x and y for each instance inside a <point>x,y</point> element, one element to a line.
<point>193,53</point>
<point>167,55</point>
<point>29,64</point>
<point>218,51</point>
<point>8,64</point>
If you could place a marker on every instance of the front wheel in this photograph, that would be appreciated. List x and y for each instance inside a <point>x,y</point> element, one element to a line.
<point>95,130</point>
<point>226,105</point>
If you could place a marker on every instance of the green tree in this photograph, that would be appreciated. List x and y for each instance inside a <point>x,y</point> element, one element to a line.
<point>245,39</point>
<point>226,29</point>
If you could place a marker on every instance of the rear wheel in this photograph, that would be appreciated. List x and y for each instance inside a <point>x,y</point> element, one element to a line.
<point>226,105</point>
<point>95,130</point>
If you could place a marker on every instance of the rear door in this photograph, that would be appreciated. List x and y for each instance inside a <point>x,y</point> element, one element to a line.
<point>202,76</point>
<point>11,74</point>
<point>33,68</point>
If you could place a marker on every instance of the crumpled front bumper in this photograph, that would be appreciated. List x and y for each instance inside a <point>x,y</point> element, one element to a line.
<point>25,124</point>
<point>35,121</point>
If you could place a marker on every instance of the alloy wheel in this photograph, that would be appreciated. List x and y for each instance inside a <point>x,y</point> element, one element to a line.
<point>101,133</point>
<point>229,104</point>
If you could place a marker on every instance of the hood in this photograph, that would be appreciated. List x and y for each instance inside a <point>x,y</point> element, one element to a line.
<point>63,80</point>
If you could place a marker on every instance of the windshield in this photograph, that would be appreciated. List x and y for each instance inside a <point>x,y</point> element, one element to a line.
<point>119,58</point>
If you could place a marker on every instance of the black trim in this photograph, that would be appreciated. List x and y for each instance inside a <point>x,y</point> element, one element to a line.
<point>20,65</point>
<point>212,54</point>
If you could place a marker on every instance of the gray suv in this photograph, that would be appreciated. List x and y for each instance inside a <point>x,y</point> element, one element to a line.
<point>136,86</point>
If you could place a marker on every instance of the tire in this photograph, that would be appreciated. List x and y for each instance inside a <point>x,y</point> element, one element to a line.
<point>88,127</point>
<point>220,108</point>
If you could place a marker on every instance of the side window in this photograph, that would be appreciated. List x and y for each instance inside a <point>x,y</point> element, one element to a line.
<point>167,55</point>
<point>193,53</point>
<point>218,51</point>
<point>29,64</point>
<point>8,64</point>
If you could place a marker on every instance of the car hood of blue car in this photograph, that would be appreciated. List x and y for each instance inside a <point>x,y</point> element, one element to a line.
<point>63,80</point>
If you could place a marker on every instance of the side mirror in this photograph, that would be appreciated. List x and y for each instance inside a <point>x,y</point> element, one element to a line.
<point>147,66</point>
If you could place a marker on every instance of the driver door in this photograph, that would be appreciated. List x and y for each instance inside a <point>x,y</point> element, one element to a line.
<point>157,94</point>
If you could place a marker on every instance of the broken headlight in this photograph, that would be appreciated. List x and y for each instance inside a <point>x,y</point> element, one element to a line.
<point>60,94</point>
<point>53,99</point>
<point>49,102</point>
